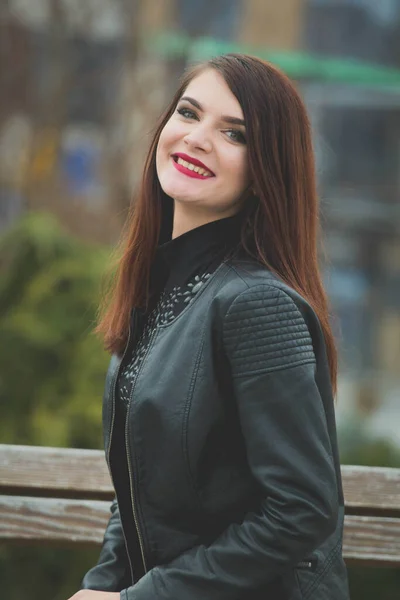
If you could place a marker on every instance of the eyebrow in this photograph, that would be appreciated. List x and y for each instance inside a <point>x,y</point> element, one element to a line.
<point>225,118</point>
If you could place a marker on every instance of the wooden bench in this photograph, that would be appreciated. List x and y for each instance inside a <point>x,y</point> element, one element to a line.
<point>62,496</point>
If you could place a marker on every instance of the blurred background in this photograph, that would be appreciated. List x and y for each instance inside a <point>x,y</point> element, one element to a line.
<point>81,87</point>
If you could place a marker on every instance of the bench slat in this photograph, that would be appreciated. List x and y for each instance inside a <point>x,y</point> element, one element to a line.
<point>45,521</point>
<point>60,472</point>
<point>69,472</point>
<point>371,540</point>
<point>372,490</point>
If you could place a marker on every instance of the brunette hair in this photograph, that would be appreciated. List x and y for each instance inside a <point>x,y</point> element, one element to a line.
<point>281,229</point>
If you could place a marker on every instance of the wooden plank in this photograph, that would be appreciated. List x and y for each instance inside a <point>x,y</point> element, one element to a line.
<point>69,472</point>
<point>371,490</point>
<point>47,520</point>
<point>374,540</point>
<point>61,472</point>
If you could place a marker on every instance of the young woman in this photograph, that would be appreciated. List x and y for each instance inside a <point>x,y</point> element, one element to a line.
<point>218,412</point>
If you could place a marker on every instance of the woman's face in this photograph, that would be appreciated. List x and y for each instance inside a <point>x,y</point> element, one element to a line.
<point>201,154</point>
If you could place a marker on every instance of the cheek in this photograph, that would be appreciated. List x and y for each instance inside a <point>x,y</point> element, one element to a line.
<point>238,168</point>
<point>168,137</point>
<point>163,149</point>
<point>162,144</point>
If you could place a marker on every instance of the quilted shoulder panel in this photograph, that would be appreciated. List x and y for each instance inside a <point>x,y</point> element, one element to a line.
<point>265,331</point>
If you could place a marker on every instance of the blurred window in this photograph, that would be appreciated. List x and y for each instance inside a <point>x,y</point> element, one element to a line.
<point>364,29</point>
<point>88,72</point>
<point>95,76</point>
<point>384,10</point>
<point>365,149</point>
<point>348,288</point>
<point>211,18</point>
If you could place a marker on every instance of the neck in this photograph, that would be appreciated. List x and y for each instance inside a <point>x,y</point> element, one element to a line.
<point>186,219</point>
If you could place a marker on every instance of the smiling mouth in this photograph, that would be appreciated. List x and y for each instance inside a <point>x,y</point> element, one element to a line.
<point>190,169</point>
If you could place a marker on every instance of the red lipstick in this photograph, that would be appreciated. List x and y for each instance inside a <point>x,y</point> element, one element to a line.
<point>193,161</point>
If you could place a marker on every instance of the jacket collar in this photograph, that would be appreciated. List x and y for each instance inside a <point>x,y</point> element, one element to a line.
<point>180,258</point>
<point>201,242</point>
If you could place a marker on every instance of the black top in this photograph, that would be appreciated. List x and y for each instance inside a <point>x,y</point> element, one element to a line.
<point>180,267</point>
<point>230,451</point>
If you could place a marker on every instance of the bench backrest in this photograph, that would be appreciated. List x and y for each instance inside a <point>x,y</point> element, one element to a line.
<point>62,496</point>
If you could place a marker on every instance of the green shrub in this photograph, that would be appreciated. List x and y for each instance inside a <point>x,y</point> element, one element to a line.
<point>52,366</point>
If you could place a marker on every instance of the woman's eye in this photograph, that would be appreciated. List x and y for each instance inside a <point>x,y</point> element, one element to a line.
<point>187,113</point>
<point>236,135</point>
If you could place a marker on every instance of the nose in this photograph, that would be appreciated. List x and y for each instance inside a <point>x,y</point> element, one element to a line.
<point>199,138</point>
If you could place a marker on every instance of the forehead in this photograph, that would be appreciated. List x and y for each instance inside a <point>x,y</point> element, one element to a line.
<point>212,92</point>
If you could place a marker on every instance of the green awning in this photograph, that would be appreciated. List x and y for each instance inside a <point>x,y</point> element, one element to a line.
<point>297,65</point>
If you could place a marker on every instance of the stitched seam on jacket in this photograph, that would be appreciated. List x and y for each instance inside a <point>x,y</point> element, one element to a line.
<point>297,328</point>
<point>233,268</point>
<point>259,307</point>
<point>260,286</point>
<point>286,353</point>
<point>294,341</point>
<point>133,456</point>
<point>272,370</point>
<point>325,570</point>
<point>282,322</point>
<point>186,413</point>
<point>188,404</point>
<point>157,575</point>
<point>328,562</point>
<point>300,357</point>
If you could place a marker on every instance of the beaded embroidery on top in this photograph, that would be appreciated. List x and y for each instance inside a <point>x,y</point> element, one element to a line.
<point>168,307</point>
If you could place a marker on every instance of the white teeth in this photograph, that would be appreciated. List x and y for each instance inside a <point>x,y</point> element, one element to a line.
<point>192,167</point>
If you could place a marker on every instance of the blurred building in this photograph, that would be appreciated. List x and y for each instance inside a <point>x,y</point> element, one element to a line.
<point>89,91</point>
<point>276,25</point>
<point>358,156</point>
<point>83,83</point>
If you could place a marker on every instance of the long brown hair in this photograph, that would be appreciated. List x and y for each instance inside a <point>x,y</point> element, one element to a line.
<point>283,212</point>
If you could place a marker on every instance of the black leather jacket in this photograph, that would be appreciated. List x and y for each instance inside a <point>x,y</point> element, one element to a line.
<point>232,453</point>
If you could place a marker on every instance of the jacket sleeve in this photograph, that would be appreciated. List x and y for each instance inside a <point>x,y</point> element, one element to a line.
<point>112,572</point>
<point>272,361</point>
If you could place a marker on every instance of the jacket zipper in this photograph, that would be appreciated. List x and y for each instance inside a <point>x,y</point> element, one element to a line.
<point>131,476</point>
<point>309,564</point>
<point>132,492</point>
<point>109,449</point>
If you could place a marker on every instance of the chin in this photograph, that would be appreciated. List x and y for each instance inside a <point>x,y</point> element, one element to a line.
<point>171,187</point>
<point>179,193</point>
<point>186,198</point>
